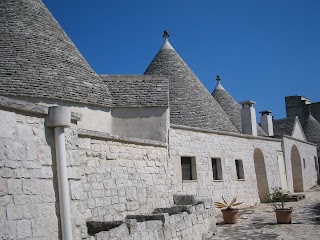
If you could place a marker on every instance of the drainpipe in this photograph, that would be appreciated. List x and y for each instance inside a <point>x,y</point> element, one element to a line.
<point>59,118</point>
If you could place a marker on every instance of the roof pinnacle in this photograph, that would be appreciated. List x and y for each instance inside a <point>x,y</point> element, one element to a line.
<point>219,86</point>
<point>166,34</point>
<point>166,44</point>
<point>218,79</point>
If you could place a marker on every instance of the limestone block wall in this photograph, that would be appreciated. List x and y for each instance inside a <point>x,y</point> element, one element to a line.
<point>120,178</point>
<point>203,146</point>
<point>109,176</point>
<point>28,193</point>
<point>306,151</point>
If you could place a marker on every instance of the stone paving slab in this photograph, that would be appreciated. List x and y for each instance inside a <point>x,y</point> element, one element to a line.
<point>260,222</point>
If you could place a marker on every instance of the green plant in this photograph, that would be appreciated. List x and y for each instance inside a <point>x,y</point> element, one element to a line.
<point>225,205</point>
<point>278,198</point>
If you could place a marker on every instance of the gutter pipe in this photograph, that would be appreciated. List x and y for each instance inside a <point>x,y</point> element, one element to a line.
<point>59,117</point>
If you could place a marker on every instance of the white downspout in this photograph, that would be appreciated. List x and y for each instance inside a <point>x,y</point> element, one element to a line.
<point>59,118</point>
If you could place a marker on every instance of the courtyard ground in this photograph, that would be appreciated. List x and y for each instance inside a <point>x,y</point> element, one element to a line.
<point>260,222</point>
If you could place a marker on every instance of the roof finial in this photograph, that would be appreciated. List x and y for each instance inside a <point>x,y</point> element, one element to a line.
<point>218,79</point>
<point>165,34</point>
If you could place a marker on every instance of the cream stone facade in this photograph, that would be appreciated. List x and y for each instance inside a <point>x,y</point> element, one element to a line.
<point>146,155</point>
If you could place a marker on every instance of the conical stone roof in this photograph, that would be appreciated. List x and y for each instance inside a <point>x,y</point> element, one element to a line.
<point>231,107</point>
<point>37,58</point>
<point>190,102</point>
<point>311,128</point>
<point>229,104</point>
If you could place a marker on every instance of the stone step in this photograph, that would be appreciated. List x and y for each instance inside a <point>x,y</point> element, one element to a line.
<point>296,197</point>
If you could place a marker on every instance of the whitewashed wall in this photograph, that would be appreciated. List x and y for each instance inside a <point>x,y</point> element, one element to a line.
<point>308,152</point>
<point>204,146</point>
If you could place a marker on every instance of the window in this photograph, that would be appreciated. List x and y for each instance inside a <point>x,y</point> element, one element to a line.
<point>216,169</point>
<point>239,169</point>
<point>316,164</point>
<point>188,168</point>
<point>304,163</point>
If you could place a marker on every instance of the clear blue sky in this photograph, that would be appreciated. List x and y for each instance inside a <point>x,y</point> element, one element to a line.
<point>263,50</point>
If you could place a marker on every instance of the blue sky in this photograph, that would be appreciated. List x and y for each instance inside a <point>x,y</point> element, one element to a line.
<point>263,50</point>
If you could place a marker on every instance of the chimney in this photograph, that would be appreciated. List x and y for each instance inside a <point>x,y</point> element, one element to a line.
<point>297,106</point>
<point>266,122</point>
<point>248,118</point>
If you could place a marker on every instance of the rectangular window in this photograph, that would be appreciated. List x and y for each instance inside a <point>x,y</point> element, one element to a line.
<point>188,168</point>
<point>316,164</point>
<point>216,169</point>
<point>239,169</point>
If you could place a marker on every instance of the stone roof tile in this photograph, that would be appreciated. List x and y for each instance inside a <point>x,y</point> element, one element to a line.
<point>283,126</point>
<point>37,58</point>
<point>311,130</point>
<point>190,102</point>
<point>138,90</point>
<point>232,108</point>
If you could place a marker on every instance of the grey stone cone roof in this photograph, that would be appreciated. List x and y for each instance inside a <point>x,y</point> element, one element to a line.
<point>311,130</point>
<point>229,105</point>
<point>190,102</point>
<point>38,59</point>
<point>138,90</point>
<point>283,126</point>
<point>232,108</point>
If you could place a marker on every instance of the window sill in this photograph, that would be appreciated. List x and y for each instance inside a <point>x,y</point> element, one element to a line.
<point>241,179</point>
<point>218,180</point>
<point>189,181</point>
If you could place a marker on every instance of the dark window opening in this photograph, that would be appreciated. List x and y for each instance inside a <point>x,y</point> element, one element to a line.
<point>188,168</point>
<point>216,169</point>
<point>239,169</point>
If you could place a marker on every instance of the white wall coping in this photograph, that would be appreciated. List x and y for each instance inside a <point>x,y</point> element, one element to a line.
<point>25,106</point>
<point>109,136</point>
<point>299,140</point>
<point>174,126</point>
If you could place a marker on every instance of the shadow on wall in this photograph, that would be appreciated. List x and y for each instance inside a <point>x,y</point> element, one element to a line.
<point>49,135</point>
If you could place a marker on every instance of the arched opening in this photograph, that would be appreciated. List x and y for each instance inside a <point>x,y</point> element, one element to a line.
<point>296,170</point>
<point>261,175</point>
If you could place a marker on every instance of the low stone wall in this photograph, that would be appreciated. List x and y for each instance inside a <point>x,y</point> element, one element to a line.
<point>197,224</point>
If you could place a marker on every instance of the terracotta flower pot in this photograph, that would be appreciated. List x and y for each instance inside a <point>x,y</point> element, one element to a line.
<point>230,216</point>
<point>283,216</point>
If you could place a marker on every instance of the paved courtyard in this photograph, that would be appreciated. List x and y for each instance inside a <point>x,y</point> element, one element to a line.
<point>260,222</point>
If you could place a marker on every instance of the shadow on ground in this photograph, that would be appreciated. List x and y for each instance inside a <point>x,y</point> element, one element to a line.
<point>316,211</point>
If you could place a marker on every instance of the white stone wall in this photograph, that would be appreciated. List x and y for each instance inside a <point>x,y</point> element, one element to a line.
<point>27,190</point>
<point>306,151</point>
<point>204,146</point>
<point>120,178</point>
<point>110,177</point>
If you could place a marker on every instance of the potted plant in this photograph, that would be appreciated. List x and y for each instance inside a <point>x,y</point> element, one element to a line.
<point>230,214</point>
<point>278,198</point>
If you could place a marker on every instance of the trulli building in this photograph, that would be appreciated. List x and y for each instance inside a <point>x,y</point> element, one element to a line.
<point>89,156</point>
